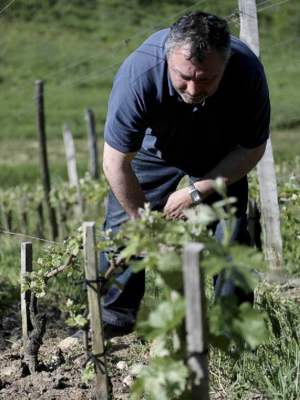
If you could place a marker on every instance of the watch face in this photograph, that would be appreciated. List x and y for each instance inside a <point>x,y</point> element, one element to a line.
<point>195,196</point>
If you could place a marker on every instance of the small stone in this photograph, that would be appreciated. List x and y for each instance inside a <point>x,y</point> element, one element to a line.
<point>57,357</point>
<point>78,361</point>
<point>68,343</point>
<point>16,345</point>
<point>15,369</point>
<point>68,375</point>
<point>128,380</point>
<point>122,365</point>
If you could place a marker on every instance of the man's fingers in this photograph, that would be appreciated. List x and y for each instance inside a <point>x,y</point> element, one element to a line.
<point>174,217</point>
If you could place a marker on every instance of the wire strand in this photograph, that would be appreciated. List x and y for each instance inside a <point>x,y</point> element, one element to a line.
<point>281,43</point>
<point>58,88</point>
<point>288,67</point>
<point>273,5</point>
<point>31,237</point>
<point>6,6</point>
<point>109,48</point>
<point>292,280</point>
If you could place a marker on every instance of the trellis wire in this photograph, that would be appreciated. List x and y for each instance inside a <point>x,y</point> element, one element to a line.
<point>288,67</point>
<point>6,7</point>
<point>57,88</point>
<point>109,48</point>
<point>293,280</point>
<point>281,43</point>
<point>31,237</point>
<point>273,5</point>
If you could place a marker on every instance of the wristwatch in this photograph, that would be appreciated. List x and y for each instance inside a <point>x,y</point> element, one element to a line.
<point>195,195</point>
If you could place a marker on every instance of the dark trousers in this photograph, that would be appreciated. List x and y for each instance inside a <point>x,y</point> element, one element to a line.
<point>158,179</point>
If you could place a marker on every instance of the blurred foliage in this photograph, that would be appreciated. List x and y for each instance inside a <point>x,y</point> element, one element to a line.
<point>56,35</point>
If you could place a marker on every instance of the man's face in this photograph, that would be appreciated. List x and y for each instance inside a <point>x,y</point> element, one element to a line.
<point>195,83</point>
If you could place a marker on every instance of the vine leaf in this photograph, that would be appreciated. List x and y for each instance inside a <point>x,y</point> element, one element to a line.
<point>162,379</point>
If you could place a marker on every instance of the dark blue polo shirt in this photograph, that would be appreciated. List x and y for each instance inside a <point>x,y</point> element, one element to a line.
<point>145,112</point>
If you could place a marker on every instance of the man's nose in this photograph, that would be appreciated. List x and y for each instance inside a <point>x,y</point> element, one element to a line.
<point>194,87</point>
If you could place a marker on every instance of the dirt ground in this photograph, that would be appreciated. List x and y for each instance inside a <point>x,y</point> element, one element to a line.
<point>60,363</point>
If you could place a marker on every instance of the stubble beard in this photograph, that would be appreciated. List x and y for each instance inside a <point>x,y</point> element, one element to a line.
<point>181,94</point>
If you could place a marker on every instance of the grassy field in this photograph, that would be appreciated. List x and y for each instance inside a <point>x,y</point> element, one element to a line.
<point>40,41</point>
<point>50,41</point>
<point>20,164</point>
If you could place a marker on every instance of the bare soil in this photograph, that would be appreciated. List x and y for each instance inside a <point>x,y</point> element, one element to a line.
<point>59,375</point>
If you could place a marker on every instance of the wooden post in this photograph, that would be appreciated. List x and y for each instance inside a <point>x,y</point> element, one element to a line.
<point>254,226</point>
<point>23,216</point>
<point>26,266</point>
<point>266,167</point>
<point>7,216</point>
<point>41,220</point>
<point>39,97</point>
<point>72,168</point>
<point>62,222</point>
<point>94,298</point>
<point>196,323</point>
<point>92,138</point>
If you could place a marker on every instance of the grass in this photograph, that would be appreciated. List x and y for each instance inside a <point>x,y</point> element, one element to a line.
<point>57,36</point>
<point>272,372</point>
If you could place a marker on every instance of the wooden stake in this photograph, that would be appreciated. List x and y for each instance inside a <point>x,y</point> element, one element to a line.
<point>39,96</point>
<point>266,167</point>
<point>72,168</point>
<point>254,226</point>
<point>26,266</point>
<point>62,222</point>
<point>196,324</point>
<point>7,216</point>
<point>92,138</point>
<point>270,212</point>
<point>41,221</point>
<point>94,298</point>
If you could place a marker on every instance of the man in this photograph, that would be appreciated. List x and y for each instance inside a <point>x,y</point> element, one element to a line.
<point>192,101</point>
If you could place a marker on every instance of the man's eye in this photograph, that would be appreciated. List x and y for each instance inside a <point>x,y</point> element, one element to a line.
<point>206,80</point>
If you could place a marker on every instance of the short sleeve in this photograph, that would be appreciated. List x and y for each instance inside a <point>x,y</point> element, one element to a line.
<point>125,123</point>
<point>255,121</point>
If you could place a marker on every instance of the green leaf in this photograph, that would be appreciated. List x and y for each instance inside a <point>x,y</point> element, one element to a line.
<point>71,322</point>
<point>163,319</point>
<point>251,325</point>
<point>170,268</point>
<point>80,320</point>
<point>201,215</point>
<point>240,323</point>
<point>88,373</point>
<point>162,379</point>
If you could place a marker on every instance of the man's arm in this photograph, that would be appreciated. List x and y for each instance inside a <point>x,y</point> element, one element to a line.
<point>234,166</point>
<point>122,180</point>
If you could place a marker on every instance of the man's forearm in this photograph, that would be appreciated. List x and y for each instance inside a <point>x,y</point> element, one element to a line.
<point>233,167</point>
<point>127,189</point>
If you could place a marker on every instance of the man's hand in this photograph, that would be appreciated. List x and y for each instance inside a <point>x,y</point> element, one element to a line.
<point>177,202</point>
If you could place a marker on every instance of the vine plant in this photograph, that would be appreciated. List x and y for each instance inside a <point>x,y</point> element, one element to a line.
<point>152,242</point>
<point>167,375</point>
<point>53,263</point>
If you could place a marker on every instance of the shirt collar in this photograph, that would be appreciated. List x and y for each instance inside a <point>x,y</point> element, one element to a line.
<point>172,91</point>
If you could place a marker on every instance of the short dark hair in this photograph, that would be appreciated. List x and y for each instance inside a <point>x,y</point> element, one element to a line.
<point>202,32</point>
